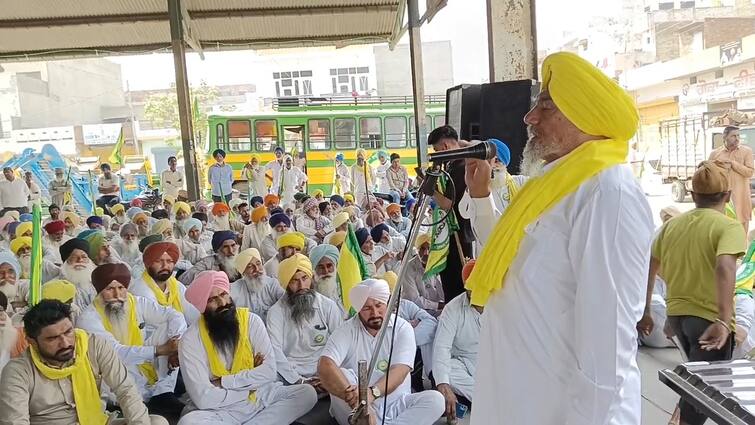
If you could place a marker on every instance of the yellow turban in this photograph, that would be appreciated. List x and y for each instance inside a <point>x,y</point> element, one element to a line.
<point>169,199</point>
<point>20,242</point>
<point>337,238</point>
<point>139,217</point>
<point>254,156</point>
<point>362,152</point>
<point>348,197</point>
<point>288,268</point>
<point>294,239</point>
<point>99,212</point>
<point>73,217</point>
<point>318,192</point>
<point>61,290</point>
<point>422,239</point>
<point>244,257</point>
<point>24,227</point>
<point>391,278</point>
<point>340,218</point>
<point>115,209</point>
<point>181,206</point>
<point>589,99</point>
<point>160,226</point>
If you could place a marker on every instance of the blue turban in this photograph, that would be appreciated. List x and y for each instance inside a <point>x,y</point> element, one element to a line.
<point>12,227</point>
<point>377,232</point>
<point>321,251</point>
<point>25,217</point>
<point>339,156</point>
<point>502,151</point>
<point>94,219</point>
<point>189,224</point>
<point>221,236</point>
<point>362,235</point>
<point>409,204</point>
<point>278,149</point>
<point>7,258</point>
<point>86,233</point>
<point>338,199</point>
<point>279,218</point>
<point>256,200</point>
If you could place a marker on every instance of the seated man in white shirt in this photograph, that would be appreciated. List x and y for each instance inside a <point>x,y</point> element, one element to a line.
<point>77,268</point>
<point>127,245</point>
<point>455,349</point>
<point>15,290</point>
<point>376,257</point>
<point>397,221</point>
<point>300,323</point>
<point>229,363</point>
<point>354,341</point>
<point>325,262</point>
<point>56,236</point>
<point>425,291</point>
<point>144,334</point>
<point>313,224</point>
<point>288,244</point>
<point>381,236</point>
<point>255,290</point>
<point>190,244</point>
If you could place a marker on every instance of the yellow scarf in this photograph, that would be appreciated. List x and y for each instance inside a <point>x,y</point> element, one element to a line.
<point>135,337</point>
<point>243,358</point>
<point>85,391</point>
<point>172,300</point>
<point>535,198</point>
<point>511,187</point>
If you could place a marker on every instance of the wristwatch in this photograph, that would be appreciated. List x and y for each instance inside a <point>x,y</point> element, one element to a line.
<point>376,394</point>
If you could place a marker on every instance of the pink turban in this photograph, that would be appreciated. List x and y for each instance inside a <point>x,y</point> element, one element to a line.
<point>199,290</point>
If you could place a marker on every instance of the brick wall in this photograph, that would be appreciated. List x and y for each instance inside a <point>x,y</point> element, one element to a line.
<point>718,31</point>
<point>666,46</point>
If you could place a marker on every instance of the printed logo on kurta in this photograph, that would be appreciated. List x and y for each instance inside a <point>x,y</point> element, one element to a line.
<point>382,365</point>
<point>319,339</point>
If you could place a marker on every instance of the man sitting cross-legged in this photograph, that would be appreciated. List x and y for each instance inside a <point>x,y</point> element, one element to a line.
<point>229,365</point>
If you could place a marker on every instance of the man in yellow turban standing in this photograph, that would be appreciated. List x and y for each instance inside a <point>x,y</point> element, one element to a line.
<point>560,304</point>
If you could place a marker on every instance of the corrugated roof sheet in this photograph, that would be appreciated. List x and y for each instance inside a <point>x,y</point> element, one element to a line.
<point>61,28</point>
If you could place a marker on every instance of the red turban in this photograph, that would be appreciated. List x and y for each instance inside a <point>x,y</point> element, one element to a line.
<point>55,227</point>
<point>155,250</point>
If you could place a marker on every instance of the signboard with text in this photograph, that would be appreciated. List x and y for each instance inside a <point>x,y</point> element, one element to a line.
<point>101,134</point>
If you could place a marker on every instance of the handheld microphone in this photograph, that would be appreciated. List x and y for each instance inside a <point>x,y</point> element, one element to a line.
<point>481,150</point>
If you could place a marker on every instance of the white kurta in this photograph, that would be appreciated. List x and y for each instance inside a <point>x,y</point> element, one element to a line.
<point>271,266</point>
<point>157,324</point>
<point>291,180</point>
<point>257,301</point>
<point>381,177</point>
<point>396,245</point>
<point>301,344</point>
<point>190,250</point>
<point>359,186</point>
<point>256,181</point>
<point>343,173</point>
<point>139,287</point>
<point>229,403</point>
<point>275,167</point>
<point>563,327</point>
<point>307,226</point>
<point>424,331</point>
<point>172,182</point>
<point>426,292</point>
<point>456,344</point>
<point>253,235</point>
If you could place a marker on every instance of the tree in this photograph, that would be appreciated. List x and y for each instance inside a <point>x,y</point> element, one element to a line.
<point>162,109</point>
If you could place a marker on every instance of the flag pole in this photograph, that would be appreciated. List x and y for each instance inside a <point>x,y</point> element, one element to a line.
<point>35,279</point>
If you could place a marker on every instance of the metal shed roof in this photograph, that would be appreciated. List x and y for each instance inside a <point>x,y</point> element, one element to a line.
<point>43,29</point>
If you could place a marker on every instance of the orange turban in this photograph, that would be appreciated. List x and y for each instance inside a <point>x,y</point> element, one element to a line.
<point>467,270</point>
<point>393,208</point>
<point>258,213</point>
<point>220,208</point>
<point>271,199</point>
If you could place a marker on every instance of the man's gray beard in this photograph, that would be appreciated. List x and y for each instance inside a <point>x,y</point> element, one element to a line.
<point>121,219</point>
<point>9,289</point>
<point>254,284</point>
<point>116,313</point>
<point>130,249</point>
<point>302,305</point>
<point>55,245</point>
<point>276,234</point>
<point>81,278</point>
<point>8,336</point>
<point>25,262</point>
<point>227,262</point>
<point>263,229</point>
<point>532,162</point>
<point>221,223</point>
<point>327,286</point>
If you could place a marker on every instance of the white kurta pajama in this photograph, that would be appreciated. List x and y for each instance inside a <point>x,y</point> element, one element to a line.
<point>456,344</point>
<point>157,324</point>
<point>229,403</point>
<point>563,326</point>
<point>291,180</point>
<point>424,332</point>
<point>301,344</point>
<point>258,301</point>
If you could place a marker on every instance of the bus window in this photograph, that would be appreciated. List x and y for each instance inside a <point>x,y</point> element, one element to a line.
<point>395,132</point>
<point>220,136</point>
<point>370,133</point>
<point>440,121</point>
<point>346,133</point>
<point>428,123</point>
<point>266,135</point>
<point>319,135</point>
<point>239,136</point>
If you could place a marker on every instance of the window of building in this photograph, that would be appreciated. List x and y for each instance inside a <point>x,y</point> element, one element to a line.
<point>352,79</point>
<point>345,133</point>
<point>693,79</point>
<point>220,136</point>
<point>395,132</point>
<point>370,133</point>
<point>319,134</point>
<point>266,135</point>
<point>719,73</point>
<point>239,136</point>
<point>293,83</point>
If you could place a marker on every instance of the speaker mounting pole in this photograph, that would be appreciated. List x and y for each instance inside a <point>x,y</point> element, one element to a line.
<point>418,81</point>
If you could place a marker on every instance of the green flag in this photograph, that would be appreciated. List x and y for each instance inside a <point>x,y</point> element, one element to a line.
<point>35,279</point>
<point>91,193</point>
<point>116,157</point>
<point>351,270</point>
<point>441,237</point>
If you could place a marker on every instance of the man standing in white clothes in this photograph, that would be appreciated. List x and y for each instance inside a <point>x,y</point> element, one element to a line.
<point>581,198</point>
<point>171,179</point>
<point>14,193</point>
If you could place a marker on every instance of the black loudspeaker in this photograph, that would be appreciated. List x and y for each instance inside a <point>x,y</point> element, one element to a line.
<point>493,111</point>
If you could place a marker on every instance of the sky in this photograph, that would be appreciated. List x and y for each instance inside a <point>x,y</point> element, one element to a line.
<point>461,21</point>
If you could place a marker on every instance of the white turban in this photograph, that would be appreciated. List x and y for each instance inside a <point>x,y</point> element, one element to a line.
<point>244,257</point>
<point>376,289</point>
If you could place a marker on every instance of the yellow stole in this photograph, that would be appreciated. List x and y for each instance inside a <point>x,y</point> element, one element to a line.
<point>134,334</point>
<point>172,300</point>
<point>511,187</point>
<point>85,391</point>
<point>243,358</point>
<point>535,198</point>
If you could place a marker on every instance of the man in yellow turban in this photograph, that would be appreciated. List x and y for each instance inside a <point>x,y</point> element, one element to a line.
<point>288,244</point>
<point>560,305</point>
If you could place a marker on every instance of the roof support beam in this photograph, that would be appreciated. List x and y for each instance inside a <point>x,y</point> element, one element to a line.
<point>418,82</point>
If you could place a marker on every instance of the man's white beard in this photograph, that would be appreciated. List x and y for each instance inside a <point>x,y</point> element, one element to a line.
<point>130,249</point>
<point>276,234</point>
<point>221,223</point>
<point>25,262</point>
<point>532,164</point>
<point>254,284</point>
<point>10,289</point>
<point>228,262</point>
<point>121,219</point>
<point>8,336</point>
<point>81,278</point>
<point>262,229</point>
<point>55,245</point>
<point>327,286</point>
<point>179,223</point>
<point>119,322</point>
